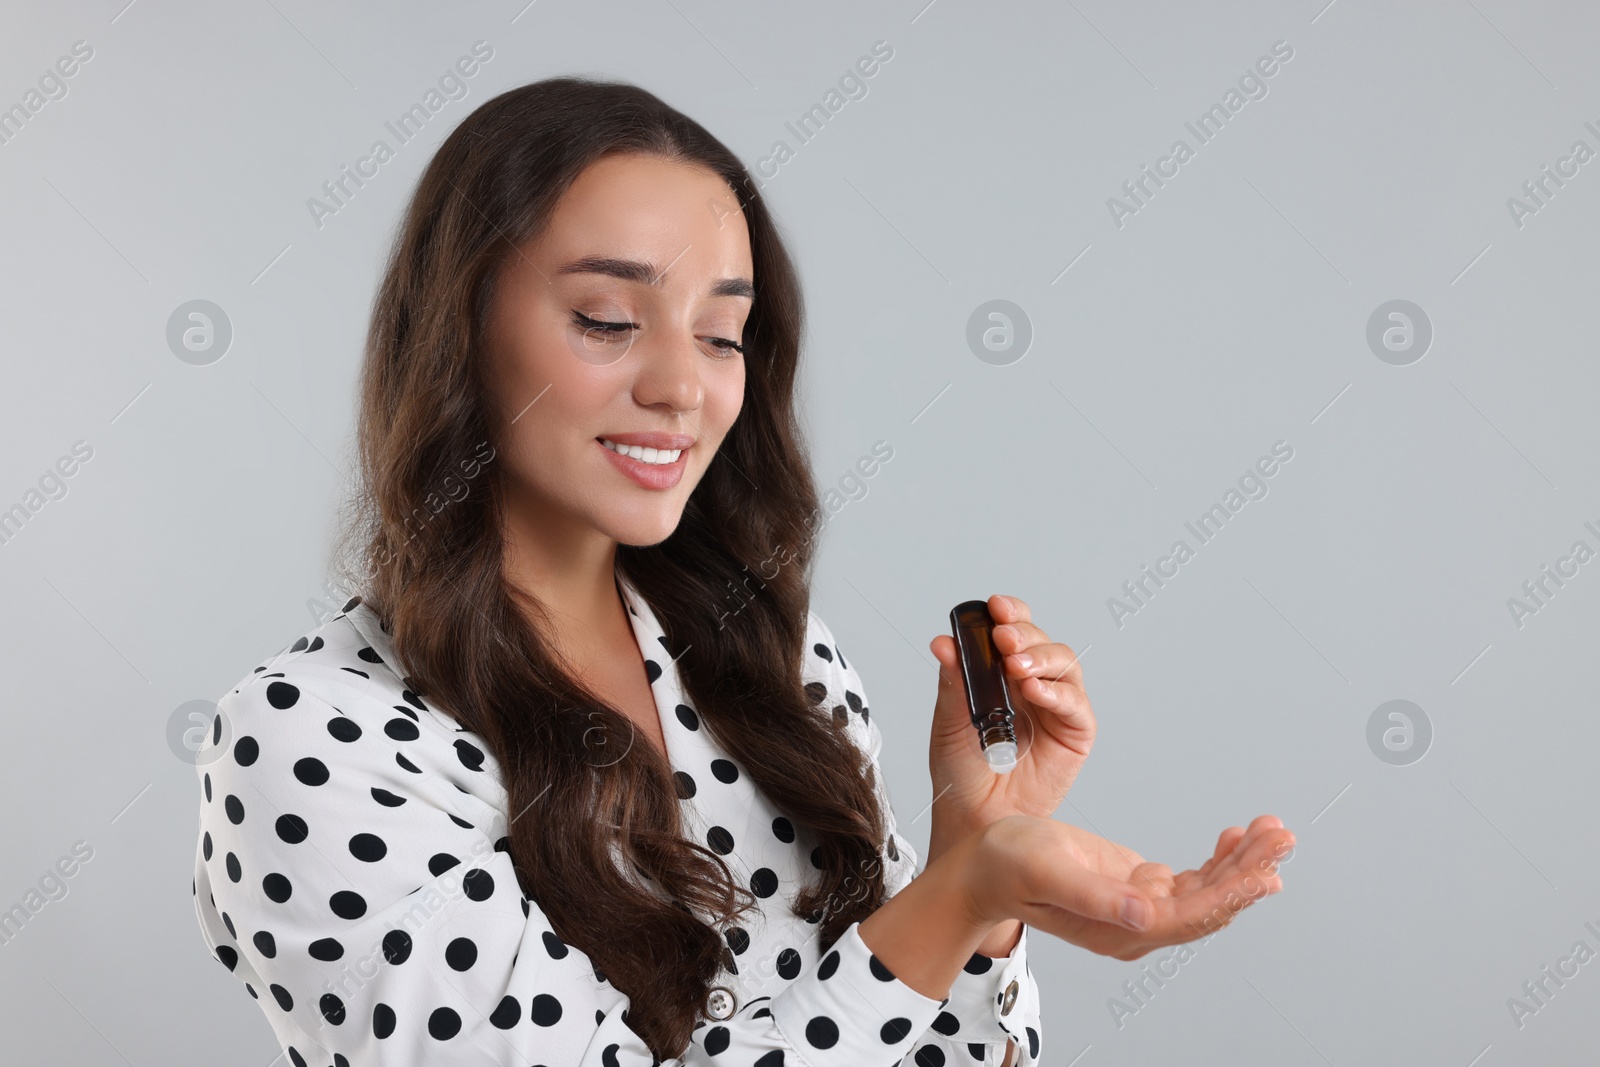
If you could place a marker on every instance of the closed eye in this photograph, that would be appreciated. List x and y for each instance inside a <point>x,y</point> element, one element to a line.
<point>585,323</point>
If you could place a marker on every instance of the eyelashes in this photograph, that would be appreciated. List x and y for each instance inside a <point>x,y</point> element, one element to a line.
<point>618,332</point>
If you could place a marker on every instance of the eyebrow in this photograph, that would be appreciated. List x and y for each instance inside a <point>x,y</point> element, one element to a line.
<point>634,270</point>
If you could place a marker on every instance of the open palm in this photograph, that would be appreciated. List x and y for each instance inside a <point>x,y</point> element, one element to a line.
<point>1183,906</point>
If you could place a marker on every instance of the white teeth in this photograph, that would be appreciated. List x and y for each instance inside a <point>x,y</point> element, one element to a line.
<point>644,455</point>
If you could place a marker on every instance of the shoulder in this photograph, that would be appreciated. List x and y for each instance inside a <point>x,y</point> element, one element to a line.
<point>336,704</point>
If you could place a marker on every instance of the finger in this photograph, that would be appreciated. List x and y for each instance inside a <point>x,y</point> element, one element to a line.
<point>1016,636</point>
<point>1009,609</point>
<point>1052,661</point>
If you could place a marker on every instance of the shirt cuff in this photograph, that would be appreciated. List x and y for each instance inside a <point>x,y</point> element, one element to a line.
<point>991,999</point>
<point>856,1012</point>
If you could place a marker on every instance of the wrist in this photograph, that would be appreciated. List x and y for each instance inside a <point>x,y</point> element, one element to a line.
<point>1002,939</point>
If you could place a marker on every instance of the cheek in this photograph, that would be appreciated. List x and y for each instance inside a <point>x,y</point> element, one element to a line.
<point>725,395</point>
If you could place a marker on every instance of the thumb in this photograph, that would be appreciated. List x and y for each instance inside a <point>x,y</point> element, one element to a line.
<point>950,712</point>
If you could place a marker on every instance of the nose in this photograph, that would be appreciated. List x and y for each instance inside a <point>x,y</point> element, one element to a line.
<point>669,371</point>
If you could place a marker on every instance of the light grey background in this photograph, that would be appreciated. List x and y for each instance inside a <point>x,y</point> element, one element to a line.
<point>1230,312</point>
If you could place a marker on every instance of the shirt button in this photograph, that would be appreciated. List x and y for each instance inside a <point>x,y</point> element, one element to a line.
<point>1010,998</point>
<point>720,1004</point>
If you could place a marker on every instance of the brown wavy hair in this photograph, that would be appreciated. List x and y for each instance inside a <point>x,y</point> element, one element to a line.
<point>423,545</point>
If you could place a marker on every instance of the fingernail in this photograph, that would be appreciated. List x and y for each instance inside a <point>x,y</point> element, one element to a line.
<point>1135,913</point>
<point>1023,660</point>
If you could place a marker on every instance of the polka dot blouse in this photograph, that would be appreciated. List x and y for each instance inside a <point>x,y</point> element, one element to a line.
<point>352,873</point>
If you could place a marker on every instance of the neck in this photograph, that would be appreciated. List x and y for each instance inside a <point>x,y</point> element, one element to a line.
<point>571,572</point>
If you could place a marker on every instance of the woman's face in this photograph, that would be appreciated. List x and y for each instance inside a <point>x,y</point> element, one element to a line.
<point>617,325</point>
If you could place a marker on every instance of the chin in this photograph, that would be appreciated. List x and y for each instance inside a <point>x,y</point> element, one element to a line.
<point>643,530</point>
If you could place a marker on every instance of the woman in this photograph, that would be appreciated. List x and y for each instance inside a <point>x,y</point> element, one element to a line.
<point>545,793</point>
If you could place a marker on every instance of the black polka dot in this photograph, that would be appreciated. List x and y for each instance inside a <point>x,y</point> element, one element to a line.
<point>206,780</point>
<point>234,871</point>
<point>507,1013</point>
<point>823,650</point>
<point>976,1051</point>
<point>553,945</point>
<point>461,954</point>
<point>347,904</point>
<point>686,715</point>
<point>229,958</point>
<point>281,995</point>
<point>771,1059</point>
<point>276,887</point>
<point>368,848</point>
<point>978,964</point>
<point>929,1056</point>
<point>470,755</point>
<point>788,963</point>
<point>386,798</point>
<point>1033,1042</point>
<point>265,944</point>
<point>246,751</point>
<point>946,1024</point>
<point>821,1032</point>
<point>725,771</point>
<point>325,949</point>
<point>295,1057</point>
<point>478,884</point>
<point>382,1020</point>
<point>829,964</point>
<point>396,947</point>
<point>895,1030</point>
<point>205,844</point>
<point>234,807</point>
<point>405,764</point>
<point>228,922</point>
<point>444,1024</point>
<point>311,771</point>
<point>291,829</point>
<point>879,971</point>
<point>343,729</point>
<point>717,1040</point>
<point>783,830</point>
<point>332,1008</point>
<point>681,779</point>
<point>545,1010</point>
<point>738,939</point>
<point>282,695</point>
<point>402,729</point>
<point>764,882</point>
<point>440,862</point>
<point>608,1055</point>
<point>370,655</point>
<point>720,840</point>
<point>652,670</point>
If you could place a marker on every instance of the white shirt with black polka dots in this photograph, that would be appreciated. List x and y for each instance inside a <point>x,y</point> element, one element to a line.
<point>352,873</point>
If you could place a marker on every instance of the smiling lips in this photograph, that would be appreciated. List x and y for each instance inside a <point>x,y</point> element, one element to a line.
<point>651,460</point>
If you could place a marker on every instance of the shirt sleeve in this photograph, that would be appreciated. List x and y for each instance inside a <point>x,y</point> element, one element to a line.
<point>367,901</point>
<point>993,1000</point>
